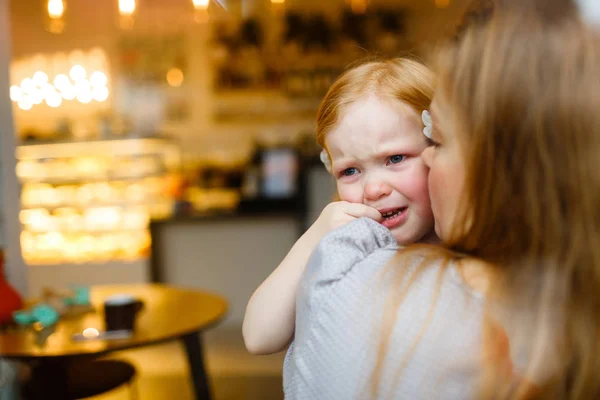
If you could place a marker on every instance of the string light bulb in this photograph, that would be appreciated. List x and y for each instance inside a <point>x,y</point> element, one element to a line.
<point>56,9</point>
<point>126,13</point>
<point>55,21</point>
<point>127,7</point>
<point>200,4</point>
<point>201,10</point>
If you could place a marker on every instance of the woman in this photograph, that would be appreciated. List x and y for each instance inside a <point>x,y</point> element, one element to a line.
<point>510,307</point>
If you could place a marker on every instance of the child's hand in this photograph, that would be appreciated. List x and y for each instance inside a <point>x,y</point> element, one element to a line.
<point>339,213</point>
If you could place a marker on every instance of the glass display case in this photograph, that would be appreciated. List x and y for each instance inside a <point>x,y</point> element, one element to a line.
<point>92,201</point>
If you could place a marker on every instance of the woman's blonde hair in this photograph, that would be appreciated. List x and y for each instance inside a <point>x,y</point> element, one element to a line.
<point>525,95</point>
<point>403,79</point>
<point>524,98</point>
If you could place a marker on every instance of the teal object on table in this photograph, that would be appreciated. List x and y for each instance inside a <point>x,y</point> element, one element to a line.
<point>42,313</point>
<point>81,297</point>
<point>45,314</point>
<point>23,318</point>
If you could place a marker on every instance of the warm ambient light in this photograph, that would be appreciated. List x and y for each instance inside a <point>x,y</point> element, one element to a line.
<point>16,94</point>
<point>40,78</point>
<point>358,6</point>
<point>98,79</point>
<point>442,3</point>
<point>277,1</point>
<point>28,85</point>
<point>53,99</point>
<point>56,9</point>
<point>200,4</point>
<point>77,73</point>
<point>78,77</point>
<point>62,81</point>
<point>175,77</point>
<point>126,7</point>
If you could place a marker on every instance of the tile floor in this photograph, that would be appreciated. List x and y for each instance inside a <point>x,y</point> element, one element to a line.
<point>234,374</point>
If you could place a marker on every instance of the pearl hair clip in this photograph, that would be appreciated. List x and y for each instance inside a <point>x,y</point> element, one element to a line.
<point>426,117</point>
<point>325,160</point>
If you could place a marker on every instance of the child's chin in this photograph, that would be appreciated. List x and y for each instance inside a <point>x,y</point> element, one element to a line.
<point>403,237</point>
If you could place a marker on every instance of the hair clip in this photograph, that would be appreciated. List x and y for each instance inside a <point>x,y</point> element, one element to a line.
<point>426,117</point>
<point>325,160</point>
<point>589,11</point>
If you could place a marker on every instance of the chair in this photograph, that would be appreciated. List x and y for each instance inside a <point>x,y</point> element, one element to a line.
<point>91,378</point>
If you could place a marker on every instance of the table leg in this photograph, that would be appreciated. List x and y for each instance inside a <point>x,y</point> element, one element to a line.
<point>48,381</point>
<point>195,354</point>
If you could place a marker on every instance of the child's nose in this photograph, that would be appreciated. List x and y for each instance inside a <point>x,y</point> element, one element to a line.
<point>374,190</point>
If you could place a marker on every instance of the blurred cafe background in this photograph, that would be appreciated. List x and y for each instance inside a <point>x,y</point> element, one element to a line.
<point>173,141</point>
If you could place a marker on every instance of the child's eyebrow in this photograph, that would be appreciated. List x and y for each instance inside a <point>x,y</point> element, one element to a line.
<point>343,163</point>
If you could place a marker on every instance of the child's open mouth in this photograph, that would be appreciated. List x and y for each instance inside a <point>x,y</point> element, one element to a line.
<point>394,217</point>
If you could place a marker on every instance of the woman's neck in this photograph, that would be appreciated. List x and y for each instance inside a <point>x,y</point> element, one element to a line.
<point>430,238</point>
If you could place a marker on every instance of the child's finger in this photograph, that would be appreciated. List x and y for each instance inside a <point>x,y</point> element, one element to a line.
<point>357,210</point>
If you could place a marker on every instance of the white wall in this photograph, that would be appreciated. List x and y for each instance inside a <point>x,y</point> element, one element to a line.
<point>230,257</point>
<point>9,188</point>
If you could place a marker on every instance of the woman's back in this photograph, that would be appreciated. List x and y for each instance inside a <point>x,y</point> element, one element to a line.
<point>347,293</point>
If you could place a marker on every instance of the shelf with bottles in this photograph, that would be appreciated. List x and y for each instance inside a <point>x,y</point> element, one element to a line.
<point>92,201</point>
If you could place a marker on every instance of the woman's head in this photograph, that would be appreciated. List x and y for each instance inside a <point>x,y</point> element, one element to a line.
<point>514,115</point>
<point>369,123</point>
<point>515,178</point>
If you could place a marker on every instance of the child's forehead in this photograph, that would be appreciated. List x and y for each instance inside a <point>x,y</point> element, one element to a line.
<point>357,144</point>
<point>373,121</point>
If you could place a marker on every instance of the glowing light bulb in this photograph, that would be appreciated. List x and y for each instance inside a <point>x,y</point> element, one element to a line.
<point>25,103</point>
<point>39,78</point>
<point>46,90</point>
<point>36,96</point>
<point>53,99</point>
<point>100,93</point>
<point>175,77</point>
<point>126,7</point>
<point>62,81</point>
<point>84,97</point>
<point>68,93</point>
<point>77,73</point>
<point>16,93</point>
<point>200,4</point>
<point>98,79</point>
<point>28,85</point>
<point>56,9</point>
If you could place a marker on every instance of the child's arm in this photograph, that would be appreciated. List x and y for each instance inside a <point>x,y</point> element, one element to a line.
<point>271,312</point>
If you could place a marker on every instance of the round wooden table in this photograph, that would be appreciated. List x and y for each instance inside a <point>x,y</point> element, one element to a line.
<point>169,313</point>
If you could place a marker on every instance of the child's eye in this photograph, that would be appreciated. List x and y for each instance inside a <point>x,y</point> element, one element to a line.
<point>397,159</point>
<point>349,172</point>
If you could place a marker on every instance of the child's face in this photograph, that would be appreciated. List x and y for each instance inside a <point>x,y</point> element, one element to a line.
<point>375,150</point>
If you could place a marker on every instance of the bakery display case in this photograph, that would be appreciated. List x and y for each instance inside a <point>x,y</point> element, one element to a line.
<point>92,201</point>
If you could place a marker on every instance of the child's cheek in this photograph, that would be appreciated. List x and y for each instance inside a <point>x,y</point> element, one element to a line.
<point>415,187</point>
<point>351,193</point>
